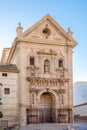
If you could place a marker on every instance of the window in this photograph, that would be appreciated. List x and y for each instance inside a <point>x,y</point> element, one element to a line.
<point>4,74</point>
<point>31,60</point>
<point>46,32</point>
<point>7,91</point>
<point>60,63</point>
<point>46,66</point>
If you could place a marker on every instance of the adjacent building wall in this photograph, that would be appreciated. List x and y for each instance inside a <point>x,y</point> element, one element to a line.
<point>9,97</point>
<point>80,112</point>
<point>80,93</point>
<point>5,54</point>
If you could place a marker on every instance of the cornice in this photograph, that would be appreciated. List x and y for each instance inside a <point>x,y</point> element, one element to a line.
<point>13,71</point>
<point>12,50</point>
<point>38,41</point>
<point>56,79</point>
<point>42,41</point>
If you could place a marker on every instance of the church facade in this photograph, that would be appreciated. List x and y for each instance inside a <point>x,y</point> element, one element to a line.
<point>36,83</point>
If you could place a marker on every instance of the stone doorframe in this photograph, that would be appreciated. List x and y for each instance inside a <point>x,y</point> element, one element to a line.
<point>55,96</point>
<point>49,91</point>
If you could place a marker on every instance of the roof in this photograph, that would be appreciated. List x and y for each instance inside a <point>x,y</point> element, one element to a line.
<point>80,105</point>
<point>9,67</point>
<point>80,84</point>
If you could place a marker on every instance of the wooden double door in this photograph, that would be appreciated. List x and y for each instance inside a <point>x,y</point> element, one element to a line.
<point>47,111</point>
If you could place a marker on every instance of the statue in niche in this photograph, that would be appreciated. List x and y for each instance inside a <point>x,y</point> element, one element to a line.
<point>46,66</point>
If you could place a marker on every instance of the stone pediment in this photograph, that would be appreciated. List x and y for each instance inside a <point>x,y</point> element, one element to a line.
<point>48,30</point>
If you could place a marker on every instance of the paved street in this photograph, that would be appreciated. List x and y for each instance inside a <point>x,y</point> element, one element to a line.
<point>77,126</point>
<point>81,125</point>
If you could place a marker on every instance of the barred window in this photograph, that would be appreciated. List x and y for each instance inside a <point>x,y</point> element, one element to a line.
<point>7,91</point>
<point>4,74</point>
<point>32,61</point>
<point>60,63</point>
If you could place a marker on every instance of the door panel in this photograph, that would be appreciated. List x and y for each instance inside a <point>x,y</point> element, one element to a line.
<point>46,105</point>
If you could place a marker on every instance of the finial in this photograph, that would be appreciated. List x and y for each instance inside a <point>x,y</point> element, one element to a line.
<point>19,24</point>
<point>19,30</point>
<point>69,31</point>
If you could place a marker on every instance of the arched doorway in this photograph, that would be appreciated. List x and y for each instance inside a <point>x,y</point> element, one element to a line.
<point>47,107</point>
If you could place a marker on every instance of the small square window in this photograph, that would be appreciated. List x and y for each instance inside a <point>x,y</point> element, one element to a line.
<point>4,74</point>
<point>7,91</point>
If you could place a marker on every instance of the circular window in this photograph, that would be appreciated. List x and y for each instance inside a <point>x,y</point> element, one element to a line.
<point>46,32</point>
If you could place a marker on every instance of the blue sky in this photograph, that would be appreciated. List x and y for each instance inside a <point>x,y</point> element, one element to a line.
<point>68,13</point>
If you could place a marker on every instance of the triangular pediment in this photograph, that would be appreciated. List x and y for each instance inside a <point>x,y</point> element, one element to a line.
<point>47,32</point>
<point>48,29</point>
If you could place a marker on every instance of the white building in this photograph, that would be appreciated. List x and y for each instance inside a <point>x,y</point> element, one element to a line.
<point>80,112</point>
<point>80,93</point>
